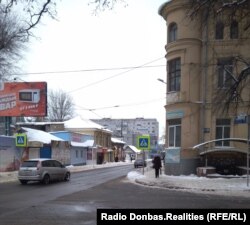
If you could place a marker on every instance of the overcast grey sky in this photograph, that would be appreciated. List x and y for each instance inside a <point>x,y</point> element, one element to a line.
<point>130,38</point>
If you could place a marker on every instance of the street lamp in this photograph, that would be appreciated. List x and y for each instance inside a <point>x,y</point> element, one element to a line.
<point>162,81</point>
<point>159,79</point>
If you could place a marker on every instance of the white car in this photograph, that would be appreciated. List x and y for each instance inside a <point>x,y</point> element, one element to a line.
<point>43,170</point>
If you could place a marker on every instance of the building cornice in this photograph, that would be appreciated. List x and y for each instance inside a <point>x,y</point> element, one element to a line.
<point>170,6</point>
<point>179,46</point>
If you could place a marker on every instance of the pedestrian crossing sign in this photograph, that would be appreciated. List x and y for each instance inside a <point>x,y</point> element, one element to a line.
<point>143,142</point>
<point>21,140</point>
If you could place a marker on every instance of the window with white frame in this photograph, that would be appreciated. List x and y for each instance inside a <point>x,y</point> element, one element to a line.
<point>174,133</point>
<point>222,131</point>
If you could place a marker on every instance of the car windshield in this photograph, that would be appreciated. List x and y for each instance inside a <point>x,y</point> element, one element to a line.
<point>29,164</point>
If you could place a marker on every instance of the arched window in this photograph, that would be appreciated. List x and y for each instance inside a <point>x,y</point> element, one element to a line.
<point>234,31</point>
<point>219,30</point>
<point>172,32</point>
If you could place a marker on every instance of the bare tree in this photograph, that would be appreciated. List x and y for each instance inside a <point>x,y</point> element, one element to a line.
<point>232,96</point>
<point>30,13</point>
<point>17,20</point>
<point>60,106</point>
<point>11,44</point>
<point>231,9</point>
<point>101,5</point>
<point>215,7</point>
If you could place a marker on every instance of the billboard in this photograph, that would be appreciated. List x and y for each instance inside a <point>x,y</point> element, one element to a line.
<point>23,99</point>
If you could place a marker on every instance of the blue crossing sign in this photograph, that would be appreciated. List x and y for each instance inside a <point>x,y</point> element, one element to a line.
<point>143,142</point>
<point>21,140</point>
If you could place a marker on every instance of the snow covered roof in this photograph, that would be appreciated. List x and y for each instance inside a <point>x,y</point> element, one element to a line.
<point>118,141</point>
<point>88,143</point>
<point>133,148</point>
<point>223,139</point>
<point>41,136</point>
<point>82,123</point>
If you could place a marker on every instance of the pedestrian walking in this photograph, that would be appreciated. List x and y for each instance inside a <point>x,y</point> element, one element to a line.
<point>157,165</point>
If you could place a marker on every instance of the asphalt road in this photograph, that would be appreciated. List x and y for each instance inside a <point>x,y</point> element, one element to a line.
<point>77,201</point>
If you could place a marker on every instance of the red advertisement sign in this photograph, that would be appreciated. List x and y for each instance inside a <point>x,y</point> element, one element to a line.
<point>23,99</point>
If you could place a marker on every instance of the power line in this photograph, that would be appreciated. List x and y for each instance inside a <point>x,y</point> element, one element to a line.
<point>116,75</point>
<point>85,70</point>
<point>120,106</point>
<point>128,69</point>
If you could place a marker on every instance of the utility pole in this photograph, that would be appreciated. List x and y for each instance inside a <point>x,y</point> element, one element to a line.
<point>7,121</point>
<point>248,147</point>
<point>121,129</point>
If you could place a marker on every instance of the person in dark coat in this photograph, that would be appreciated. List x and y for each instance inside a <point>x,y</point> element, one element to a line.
<point>157,165</point>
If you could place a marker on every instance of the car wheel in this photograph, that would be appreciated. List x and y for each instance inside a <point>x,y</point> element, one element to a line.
<point>67,177</point>
<point>46,179</point>
<point>23,181</point>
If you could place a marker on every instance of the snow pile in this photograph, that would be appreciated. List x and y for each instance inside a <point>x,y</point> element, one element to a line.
<point>135,175</point>
<point>236,186</point>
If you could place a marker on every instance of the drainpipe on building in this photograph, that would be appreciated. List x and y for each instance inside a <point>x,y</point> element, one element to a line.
<point>204,78</point>
<point>248,147</point>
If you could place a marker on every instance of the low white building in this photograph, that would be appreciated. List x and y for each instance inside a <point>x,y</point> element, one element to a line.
<point>132,153</point>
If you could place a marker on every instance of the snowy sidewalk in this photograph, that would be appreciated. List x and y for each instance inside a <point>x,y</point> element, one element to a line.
<point>236,186</point>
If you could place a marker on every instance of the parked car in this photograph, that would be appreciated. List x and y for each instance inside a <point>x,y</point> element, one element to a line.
<point>43,170</point>
<point>140,163</point>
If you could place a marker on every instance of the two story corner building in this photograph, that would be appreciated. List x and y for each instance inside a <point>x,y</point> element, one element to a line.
<point>206,55</point>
